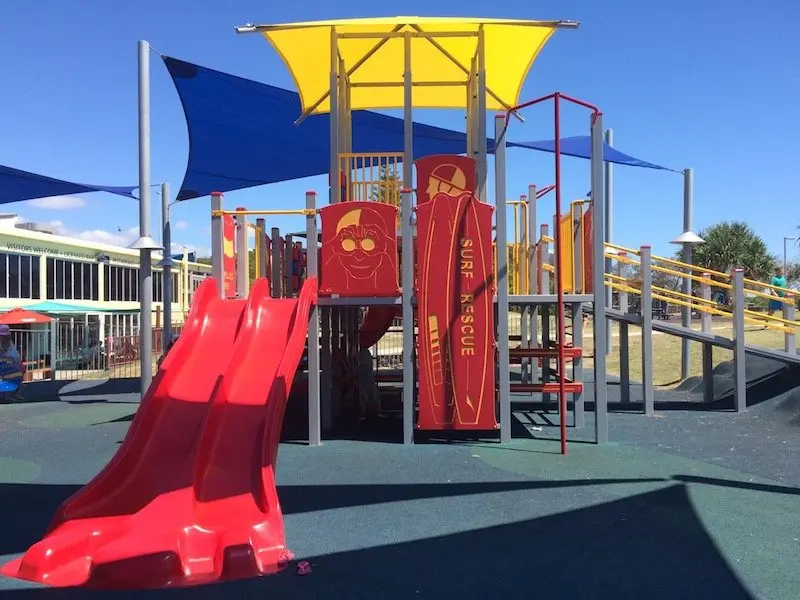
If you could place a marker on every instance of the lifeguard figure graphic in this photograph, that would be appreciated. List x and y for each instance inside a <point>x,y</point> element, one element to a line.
<point>444,174</point>
<point>360,258</point>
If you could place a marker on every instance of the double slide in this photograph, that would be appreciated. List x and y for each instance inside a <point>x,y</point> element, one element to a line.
<point>190,495</point>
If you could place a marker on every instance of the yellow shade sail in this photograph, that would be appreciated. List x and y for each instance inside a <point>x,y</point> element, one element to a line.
<point>510,47</point>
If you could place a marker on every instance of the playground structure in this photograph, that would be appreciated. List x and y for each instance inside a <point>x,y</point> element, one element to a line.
<point>186,500</point>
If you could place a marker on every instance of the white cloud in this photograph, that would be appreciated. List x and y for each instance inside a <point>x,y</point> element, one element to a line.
<point>123,236</point>
<point>58,202</point>
<point>181,225</point>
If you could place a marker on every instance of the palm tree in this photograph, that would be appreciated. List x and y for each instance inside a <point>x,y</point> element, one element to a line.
<point>730,245</point>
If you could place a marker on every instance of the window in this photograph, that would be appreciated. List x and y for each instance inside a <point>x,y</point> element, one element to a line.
<point>158,281</point>
<point>70,280</point>
<point>122,283</point>
<point>176,288</point>
<point>36,277</point>
<point>18,279</point>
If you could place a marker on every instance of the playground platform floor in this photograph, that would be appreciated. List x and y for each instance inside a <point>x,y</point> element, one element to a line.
<point>685,504</point>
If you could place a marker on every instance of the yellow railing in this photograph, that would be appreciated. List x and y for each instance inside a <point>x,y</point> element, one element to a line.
<point>372,177</point>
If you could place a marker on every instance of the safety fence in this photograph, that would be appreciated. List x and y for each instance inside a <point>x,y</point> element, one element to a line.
<point>69,350</point>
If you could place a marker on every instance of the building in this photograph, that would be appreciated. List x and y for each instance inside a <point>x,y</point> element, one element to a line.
<point>91,289</point>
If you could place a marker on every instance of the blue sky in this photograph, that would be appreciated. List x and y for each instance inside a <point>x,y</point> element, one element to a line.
<point>708,85</point>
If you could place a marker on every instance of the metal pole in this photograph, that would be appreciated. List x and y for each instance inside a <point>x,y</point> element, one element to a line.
<point>407,234</point>
<point>646,305</point>
<point>335,183</point>
<point>242,257</point>
<point>261,244</point>
<point>609,206</point>
<point>145,243</point>
<point>504,383</point>
<point>597,187</point>
<point>481,117</point>
<point>686,312</point>
<point>739,374</point>
<point>217,243</point>
<point>166,265</point>
<point>314,406</point>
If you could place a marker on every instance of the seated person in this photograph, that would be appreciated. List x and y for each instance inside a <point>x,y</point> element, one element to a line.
<point>11,359</point>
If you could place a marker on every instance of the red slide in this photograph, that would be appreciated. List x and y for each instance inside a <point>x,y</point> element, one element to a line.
<point>376,323</point>
<point>186,499</point>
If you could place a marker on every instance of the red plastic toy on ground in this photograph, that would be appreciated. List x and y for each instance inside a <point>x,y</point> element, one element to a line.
<point>190,496</point>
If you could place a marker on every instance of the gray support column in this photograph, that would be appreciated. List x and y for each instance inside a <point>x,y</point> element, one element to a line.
<point>647,331</point>
<point>533,276</point>
<point>263,247</point>
<point>547,310</point>
<point>145,243</point>
<point>739,375</point>
<point>686,312</point>
<point>326,380</point>
<point>705,294</point>
<point>166,265</point>
<point>504,383</point>
<point>598,285</point>
<point>577,363</point>
<point>624,351</point>
<point>275,261</point>
<point>242,262</point>
<point>409,397</point>
<point>288,282</point>
<point>544,309</point>
<point>407,234</point>
<point>217,251</point>
<point>335,188</point>
<point>609,210</point>
<point>707,347</point>
<point>314,416</point>
<point>522,272</point>
<point>483,166</point>
<point>789,340</point>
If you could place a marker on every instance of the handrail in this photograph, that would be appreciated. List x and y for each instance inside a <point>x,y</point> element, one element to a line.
<point>621,248</point>
<point>691,267</point>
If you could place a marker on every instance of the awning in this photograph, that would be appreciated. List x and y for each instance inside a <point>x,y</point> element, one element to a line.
<point>510,46</point>
<point>580,146</point>
<point>65,309</point>
<point>21,316</point>
<point>17,185</point>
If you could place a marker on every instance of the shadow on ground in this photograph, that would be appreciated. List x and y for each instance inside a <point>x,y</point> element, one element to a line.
<point>650,545</point>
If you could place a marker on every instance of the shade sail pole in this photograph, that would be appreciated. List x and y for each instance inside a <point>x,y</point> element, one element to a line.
<point>481,116</point>
<point>407,236</point>
<point>145,244</point>
<point>335,181</point>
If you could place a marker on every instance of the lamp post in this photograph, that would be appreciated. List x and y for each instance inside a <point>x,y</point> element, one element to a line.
<point>785,261</point>
<point>686,240</point>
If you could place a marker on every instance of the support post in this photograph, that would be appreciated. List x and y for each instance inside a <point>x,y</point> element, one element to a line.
<point>333,95</point>
<point>145,243</point>
<point>609,207</point>
<point>686,312</point>
<point>525,287</point>
<point>261,243</point>
<point>275,261</point>
<point>166,266</point>
<point>544,310</point>
<point>483,166</point>
<point>577,364</point>
<point>789,339</point>
<point>242,257</point>
<point>504,380</point>
<point>739,375</point>
<point>314,405</point>
<point>407,234</point>
<point>598,285</point>
<point>288,264</point>
<point>217,242</point>
<point>408,316</point>
<point>646,305</point>
<point>707,347</point>
<point>624,352</point>
<point>325,371</point>
<point>533,279</point>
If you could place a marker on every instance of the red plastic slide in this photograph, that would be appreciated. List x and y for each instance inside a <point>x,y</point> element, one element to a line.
<point>376,323</point>
<point>190,495</point>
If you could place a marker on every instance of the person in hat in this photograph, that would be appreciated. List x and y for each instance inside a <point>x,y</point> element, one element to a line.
<point>9,355</point>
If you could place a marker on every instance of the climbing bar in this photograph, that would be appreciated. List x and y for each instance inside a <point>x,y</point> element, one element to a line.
<point>768,286</point>
<point>546,388</point>
<point>297,211</point>
<point>683,265</point>
<point>688,297</point>
<point>768,318</point>
<point>569,352</point>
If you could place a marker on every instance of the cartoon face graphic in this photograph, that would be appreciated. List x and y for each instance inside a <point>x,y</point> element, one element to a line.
<point>446,179</point>
<point>360,245</point>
